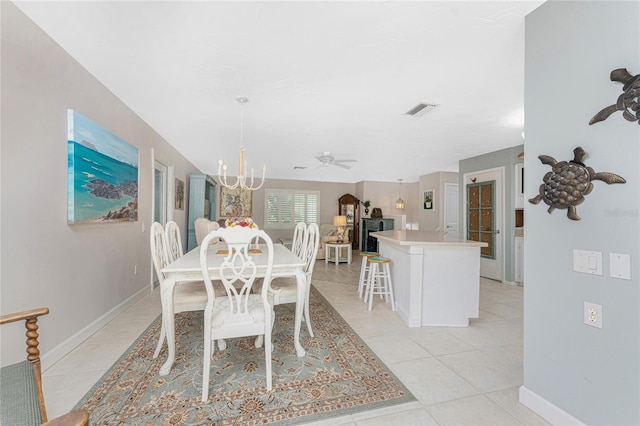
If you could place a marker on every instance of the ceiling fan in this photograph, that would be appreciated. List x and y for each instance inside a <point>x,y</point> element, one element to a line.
<point>329,160</point>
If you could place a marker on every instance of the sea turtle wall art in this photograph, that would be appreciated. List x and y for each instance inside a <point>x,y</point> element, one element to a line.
<point>568,182</point>
<point>628,102</point>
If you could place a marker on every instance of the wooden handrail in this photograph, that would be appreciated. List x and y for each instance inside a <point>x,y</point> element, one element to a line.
<point>30,318</point>
<point>24,315</point>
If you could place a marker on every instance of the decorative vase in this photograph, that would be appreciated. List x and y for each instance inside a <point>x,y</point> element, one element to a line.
<point>366,210</point>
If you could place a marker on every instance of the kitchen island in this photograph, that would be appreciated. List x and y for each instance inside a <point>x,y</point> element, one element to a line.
<point>436,280</point>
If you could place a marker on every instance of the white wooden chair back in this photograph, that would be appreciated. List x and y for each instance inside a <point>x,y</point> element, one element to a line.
<point>238,270</point>
<point>312,240</point>
<point>173,240</point>
<point>158,249</point>
<point>299,234</point>
<point>201,229</point>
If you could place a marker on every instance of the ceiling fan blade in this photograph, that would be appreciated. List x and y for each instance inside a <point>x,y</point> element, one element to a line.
<point>344,166</point>
<point>345,161</point>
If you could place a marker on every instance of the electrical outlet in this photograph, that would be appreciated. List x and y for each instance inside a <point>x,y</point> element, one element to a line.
<point>593,314</point>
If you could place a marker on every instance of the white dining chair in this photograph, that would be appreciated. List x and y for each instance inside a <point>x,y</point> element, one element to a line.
<point>187,296</point>
<point>240,312</point>
<point>285,289</point>
<point>299,234</point>
<point>203,227</point>
<point>174,241</point>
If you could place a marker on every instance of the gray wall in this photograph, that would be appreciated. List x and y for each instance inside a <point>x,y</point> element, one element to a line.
<point>506,158</point>
<point>592,374</point>
<point>80,272</point>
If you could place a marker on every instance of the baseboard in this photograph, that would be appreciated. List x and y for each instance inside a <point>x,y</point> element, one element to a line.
<point>545,409</point>
<point>57,353</point>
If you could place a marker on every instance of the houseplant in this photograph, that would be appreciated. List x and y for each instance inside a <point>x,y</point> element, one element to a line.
<point>366,204</point>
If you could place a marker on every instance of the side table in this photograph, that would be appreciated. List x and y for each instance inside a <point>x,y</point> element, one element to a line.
<point>337,250</point>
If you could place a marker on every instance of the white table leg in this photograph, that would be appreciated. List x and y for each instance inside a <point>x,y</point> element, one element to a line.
<point>349,255</point>
<point>326,254</point>
<point>166,295</point>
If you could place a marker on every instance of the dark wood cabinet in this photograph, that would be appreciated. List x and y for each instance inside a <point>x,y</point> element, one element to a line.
<point>349,206</point>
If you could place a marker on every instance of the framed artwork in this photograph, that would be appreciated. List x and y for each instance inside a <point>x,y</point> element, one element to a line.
<point>428,199</point>
<point>235,202</point>
<point>179,194</point>
<point>102,174</point>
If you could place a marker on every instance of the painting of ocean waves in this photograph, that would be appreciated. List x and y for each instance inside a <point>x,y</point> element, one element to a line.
<point>102,174</point>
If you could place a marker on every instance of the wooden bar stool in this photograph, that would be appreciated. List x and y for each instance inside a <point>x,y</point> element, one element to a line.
<point>379,281</point>
<point>364,270</point>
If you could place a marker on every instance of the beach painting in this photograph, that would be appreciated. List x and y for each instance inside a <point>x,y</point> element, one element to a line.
<point>102,174</point>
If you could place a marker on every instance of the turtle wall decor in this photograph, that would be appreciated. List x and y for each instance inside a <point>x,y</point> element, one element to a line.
<point>568,182</point>
<point>628,102</point>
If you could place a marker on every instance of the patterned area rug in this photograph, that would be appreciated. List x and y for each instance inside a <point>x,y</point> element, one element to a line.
<point>339,375</point>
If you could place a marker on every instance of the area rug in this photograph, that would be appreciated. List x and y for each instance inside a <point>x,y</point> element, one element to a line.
<point>339,375</point>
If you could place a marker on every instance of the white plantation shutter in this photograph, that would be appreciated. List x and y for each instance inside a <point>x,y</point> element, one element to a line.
<point>312,207</point>
<point>284,208</point>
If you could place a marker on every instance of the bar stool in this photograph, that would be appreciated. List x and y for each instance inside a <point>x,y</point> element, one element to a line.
<point>364,270</point>
<point>379,281</point>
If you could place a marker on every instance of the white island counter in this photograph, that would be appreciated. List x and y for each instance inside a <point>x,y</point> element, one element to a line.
<point>436,280</point>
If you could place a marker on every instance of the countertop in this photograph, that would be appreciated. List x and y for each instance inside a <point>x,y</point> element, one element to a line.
<point>423,238</point>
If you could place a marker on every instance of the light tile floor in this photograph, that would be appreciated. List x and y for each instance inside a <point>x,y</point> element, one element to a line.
<point>459,375</point>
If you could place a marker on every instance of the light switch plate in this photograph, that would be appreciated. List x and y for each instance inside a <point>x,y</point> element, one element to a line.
<point>587,262</point>
<point>620,266</point>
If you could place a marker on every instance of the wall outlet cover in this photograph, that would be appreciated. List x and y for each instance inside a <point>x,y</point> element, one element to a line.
<point>593,314</point>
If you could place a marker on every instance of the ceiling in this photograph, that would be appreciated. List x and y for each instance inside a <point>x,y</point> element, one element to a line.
<point>320,76</point>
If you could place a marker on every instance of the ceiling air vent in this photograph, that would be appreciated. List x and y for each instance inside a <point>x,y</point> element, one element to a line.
<point>421,109</point>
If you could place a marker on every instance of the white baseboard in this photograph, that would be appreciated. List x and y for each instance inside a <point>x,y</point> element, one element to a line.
<point>546,410</point>
<point>57,353</point>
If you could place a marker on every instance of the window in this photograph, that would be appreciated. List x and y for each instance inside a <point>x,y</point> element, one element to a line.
<point>286,207</point>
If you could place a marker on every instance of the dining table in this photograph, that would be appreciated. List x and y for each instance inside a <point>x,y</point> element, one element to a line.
<point>187,269</point>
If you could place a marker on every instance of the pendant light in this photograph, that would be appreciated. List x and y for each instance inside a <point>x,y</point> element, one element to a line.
<point>400,201</point>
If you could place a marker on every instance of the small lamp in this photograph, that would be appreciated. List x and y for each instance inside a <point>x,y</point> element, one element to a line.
<point>340,222</point>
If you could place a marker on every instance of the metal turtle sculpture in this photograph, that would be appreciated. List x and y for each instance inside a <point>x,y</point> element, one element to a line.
<point>628,102</point>
<point>568,182</point>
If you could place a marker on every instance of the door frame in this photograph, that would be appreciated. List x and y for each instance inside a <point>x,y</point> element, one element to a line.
<point>466,178</point>
<point>169,196</point>
<point>444,215</point>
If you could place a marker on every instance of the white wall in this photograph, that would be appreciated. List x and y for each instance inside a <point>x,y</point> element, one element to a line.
<point>588,373</point>
<point>433,220</point>
<point>381,194</point>
<point>385,194</point>
<point>329,194</point>
<point>80,272</point>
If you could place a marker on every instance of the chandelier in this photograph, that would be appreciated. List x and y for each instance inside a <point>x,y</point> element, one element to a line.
<point>400,201</point>
<point>241,179</point>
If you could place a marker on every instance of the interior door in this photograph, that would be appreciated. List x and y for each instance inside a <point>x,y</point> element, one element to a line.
<point>451,209</point>
<point>484,218</point>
